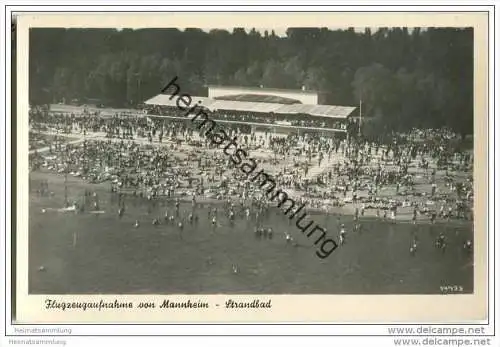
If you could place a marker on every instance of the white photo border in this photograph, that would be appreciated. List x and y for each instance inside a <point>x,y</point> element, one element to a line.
<point>233,329</point>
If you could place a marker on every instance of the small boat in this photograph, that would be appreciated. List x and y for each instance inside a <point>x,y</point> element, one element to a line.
<point>67,209</point>
<point>97,212</point>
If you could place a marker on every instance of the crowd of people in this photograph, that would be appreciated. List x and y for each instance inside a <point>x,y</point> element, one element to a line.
<point>422,174</point>
<point>256,117</point>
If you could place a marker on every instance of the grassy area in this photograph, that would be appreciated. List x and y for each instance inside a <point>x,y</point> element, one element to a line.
<point>111,256</point>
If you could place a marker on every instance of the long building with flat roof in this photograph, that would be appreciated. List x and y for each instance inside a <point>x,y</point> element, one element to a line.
<point>325,111</point>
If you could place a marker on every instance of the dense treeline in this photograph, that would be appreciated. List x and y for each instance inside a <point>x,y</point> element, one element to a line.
<point>406,78</point>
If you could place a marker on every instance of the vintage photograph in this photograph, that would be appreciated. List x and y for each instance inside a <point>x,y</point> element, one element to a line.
<point>251,160</point>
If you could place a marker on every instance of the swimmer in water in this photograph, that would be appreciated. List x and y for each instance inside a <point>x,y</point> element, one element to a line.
<point>393,214</point>
<point>433,217</point>
<point>468,245</point>
<point>136,224</point>
<point>413,247</point>
<point>342,234</point>
<point>181,227</point>
<point>258,232</point>
<point>441,242</point>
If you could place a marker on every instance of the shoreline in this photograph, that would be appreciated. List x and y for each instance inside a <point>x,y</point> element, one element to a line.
<point>338,211</point>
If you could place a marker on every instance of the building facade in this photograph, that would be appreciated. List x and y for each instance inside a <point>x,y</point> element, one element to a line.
<point>307,97</point>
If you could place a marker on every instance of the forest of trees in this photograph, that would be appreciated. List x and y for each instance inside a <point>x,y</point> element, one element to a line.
<point>405,77</point>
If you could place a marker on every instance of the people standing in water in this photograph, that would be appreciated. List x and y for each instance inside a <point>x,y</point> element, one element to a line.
<point>342,234</point>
